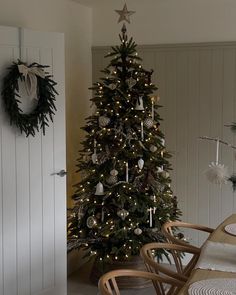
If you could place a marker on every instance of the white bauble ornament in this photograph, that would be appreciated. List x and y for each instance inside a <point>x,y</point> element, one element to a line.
<point>114,172</point>
<point>165,174</point>
<point>138,231</point>
<point>140,163</point>
<point>217,173</point>
<point>103,121</point>
<point>148,123</point>
<point>91,222</point>
<point>112,179</point>
<point>139,104</point>
<point>99,189</point>
<point>153,148</point>
<point>122,213</point>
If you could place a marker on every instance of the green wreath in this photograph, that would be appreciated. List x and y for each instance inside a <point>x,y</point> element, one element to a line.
<point>45,91</point>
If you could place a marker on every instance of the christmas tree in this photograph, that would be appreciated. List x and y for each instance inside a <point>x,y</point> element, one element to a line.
<point>124,195</point>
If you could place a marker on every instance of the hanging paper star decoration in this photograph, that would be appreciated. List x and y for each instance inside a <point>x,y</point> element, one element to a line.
<point>124,14</point>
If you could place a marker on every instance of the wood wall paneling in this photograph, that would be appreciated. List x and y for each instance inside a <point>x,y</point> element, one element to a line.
<point>197,88</point>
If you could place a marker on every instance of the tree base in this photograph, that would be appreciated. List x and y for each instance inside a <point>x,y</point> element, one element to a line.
<point>134,263</point>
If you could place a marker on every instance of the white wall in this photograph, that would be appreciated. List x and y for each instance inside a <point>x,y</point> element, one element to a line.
<point>75,21</point>
<point>166,21</point>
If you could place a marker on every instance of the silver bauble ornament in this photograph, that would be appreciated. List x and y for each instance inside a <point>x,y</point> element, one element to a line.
<point>103,121</point>
<point>122,213</point>
<point>153,148</point>
<point>114,172</point>
<point>138,231</point>
<point>148,123</point>
<point>91,222</point>
<point>112,179</point>
<point>140,163</point>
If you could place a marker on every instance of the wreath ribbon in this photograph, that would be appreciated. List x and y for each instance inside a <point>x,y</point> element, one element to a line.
<point>29,74</point>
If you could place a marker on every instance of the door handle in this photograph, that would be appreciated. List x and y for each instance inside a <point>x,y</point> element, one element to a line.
<point>61,173</point>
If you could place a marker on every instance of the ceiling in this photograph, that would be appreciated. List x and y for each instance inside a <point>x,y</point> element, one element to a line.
<point>86,2</point>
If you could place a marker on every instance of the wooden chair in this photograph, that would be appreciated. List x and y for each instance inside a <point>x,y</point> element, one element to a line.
<point>108,284</point>
<point>176,254</point>
<point>169,227</point>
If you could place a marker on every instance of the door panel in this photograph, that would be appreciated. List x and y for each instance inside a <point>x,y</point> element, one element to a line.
<point>32,200</point>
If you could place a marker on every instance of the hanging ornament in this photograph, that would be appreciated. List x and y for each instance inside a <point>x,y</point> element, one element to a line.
<point>150,216</point>
<point>103,121</point>
<point>91,222</point>
<point>122,213</point>
<point>94,158</point>
<point>99,189</point>
<point>131,82</point>
<point>153,100</point>
<point>165,174</point>
<point>112,179</point>
<point>163,141</point>
<point>142,134</point>
<point>139,104</point>
<point>148,123</point>
<point>80,213</point>
<point>112,86</point>
<point>127,172</point>
<point>138,231</point>
<point>94,155</point>
<point>217,173</point>
<point>114,172</point>
<point>140,163</point>
<point>159,169</point>
<point>153,148</point>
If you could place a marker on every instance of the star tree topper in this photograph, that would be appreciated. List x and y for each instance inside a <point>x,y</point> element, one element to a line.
<point>124,14</point>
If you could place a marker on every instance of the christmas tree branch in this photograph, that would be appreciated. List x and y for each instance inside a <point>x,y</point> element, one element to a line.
<point>216,139</point>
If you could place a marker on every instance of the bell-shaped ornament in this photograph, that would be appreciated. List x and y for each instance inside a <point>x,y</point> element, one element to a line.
<point>99,189</point>
<point>139,104</point>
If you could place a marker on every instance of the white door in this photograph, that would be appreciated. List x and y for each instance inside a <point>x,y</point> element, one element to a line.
<point>32,201</point>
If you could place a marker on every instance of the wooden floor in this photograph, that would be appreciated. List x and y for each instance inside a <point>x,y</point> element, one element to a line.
<point>79,284</point>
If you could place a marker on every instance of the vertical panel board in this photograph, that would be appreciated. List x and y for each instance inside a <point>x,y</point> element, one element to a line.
<point>23,214</point>
<point>36,194</point>
<point>182,120</point>
<point>227,198</point>
<point>59,163</point>
<point>9,200</point>
<point>98,65</point>
<point>148,59</point>
<point>193,142</point>
<point>5,59</point>
<point>215,129</point>
<point>48,192</point>
<point>170,106</point>
<point>204,129</point>
<point>159,76</point>
<point>234,137</point>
